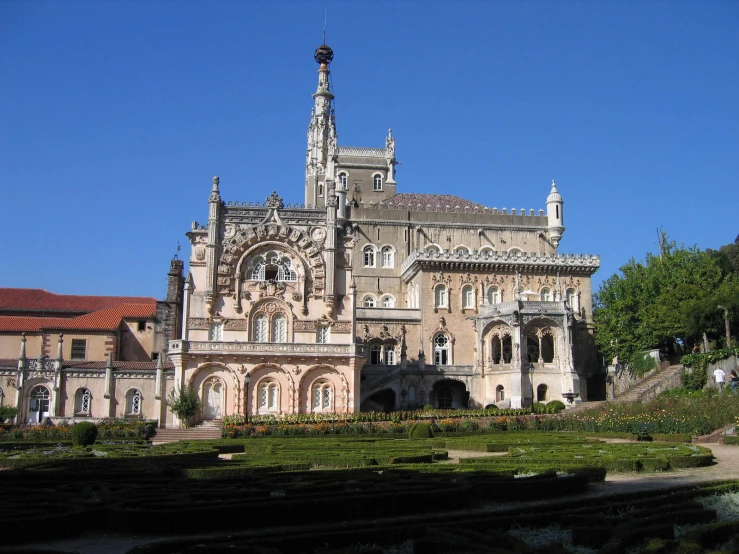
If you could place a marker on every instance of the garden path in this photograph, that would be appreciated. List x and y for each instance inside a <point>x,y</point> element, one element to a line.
<point>726,467</point>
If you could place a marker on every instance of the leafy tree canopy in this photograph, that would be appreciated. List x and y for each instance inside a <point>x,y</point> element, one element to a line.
<point>666,301</point>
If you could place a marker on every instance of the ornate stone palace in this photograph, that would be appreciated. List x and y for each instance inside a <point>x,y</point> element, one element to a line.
<point>364,298</point>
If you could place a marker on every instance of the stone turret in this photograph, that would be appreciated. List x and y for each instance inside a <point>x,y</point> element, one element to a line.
<point>555,215</point>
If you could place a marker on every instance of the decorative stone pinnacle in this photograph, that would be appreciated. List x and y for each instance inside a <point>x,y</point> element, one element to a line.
<point>216,182</point>
<point>273,201</point>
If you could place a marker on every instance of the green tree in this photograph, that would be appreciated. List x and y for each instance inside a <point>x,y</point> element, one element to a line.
<point>652,304</point>
<point>184,403</point>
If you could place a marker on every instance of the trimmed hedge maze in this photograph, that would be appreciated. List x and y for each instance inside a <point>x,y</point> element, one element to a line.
<point>330,485</point>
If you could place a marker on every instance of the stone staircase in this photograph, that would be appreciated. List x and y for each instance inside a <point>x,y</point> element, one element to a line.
<point>208,430</point>
<point>661,380</point>
<point>376,383</point>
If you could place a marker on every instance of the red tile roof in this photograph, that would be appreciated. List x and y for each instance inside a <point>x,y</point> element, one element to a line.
<point>108,319</point>
<point>39,300</point>
<point>412,200</point>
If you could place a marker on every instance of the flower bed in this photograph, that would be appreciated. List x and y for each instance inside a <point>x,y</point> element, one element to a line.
<point>108,428</point>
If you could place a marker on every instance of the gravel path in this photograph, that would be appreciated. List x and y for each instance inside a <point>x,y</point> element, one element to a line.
<point>725,468</point>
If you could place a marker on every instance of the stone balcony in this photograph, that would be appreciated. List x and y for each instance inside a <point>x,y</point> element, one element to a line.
<point>273,348</point>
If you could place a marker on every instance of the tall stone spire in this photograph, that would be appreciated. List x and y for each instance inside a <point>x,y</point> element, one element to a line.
<point>322,149</point>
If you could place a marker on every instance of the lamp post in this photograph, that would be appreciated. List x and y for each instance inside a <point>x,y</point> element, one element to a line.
<point>726,323</point>
<point>247,378</point>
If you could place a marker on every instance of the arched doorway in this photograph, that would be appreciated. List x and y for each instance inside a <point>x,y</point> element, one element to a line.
<point>213,398</point>
<point>38,407</point>
<point>448,394</point>
<point>381,401</point>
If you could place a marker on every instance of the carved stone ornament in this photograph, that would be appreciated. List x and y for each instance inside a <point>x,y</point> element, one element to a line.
<point>236,325</point>
<point>198,323</point>
<point>342,327</point>
<point>10,382</point>
<point>297,370</point>
<point>318,234</point>
<point>229,231</point>
<point>305,325</point>
<point>297,297</point>
<point>273,201</point>
<point>200,254</point>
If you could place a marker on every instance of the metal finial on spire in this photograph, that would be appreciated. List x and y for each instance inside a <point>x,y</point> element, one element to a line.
<point>325,16</point>
<point>177,252</point>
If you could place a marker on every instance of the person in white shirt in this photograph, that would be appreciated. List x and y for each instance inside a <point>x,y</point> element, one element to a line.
<point>719,376</point>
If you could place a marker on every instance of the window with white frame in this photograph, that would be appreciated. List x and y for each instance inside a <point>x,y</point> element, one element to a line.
<point>493,295</point>
<point>368,301</point>
<point>572,300</point>
<point>375,354</point>
<point>216,331</point>
<point>545,295</point>
<point>133,402</point>
<point>322,396</point>
<point>377,182</point>
<point>82,402</point>
<point>387,256</point>
<point>441,297</point>
<point>322,334</point>
<point>389,355</point>
<point>343,179</point>
<point>369,256</point>
<point>279,328</point>
<point>388,302</point>
<point>441,350</point>
<point>272,266</point>
<point>468,297</point>
<point>499,393</point>
<point>268,396</point>
<point>261,328</point>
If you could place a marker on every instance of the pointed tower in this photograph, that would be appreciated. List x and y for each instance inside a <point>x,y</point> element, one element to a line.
<point>322,150</point>
<point>555,215</point>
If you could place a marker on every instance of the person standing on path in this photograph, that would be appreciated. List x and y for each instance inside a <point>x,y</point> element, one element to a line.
<point>719,376</point>
<point>734,381</point>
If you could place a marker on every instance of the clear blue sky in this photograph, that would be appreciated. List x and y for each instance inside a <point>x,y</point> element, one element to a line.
<point>115,115</point>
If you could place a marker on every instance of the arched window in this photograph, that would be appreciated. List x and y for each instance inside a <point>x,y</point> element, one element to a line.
<point>461,251</point>
<point>261,328</point>
<point>387,256</point>
<point>507,349</point>
<point>499,393</point>
<point>368,301</point>
<point>322,334</point>
<point>388,302</point>
<point>268,396</point>
<point>322,396</point>
<point>272,267</point>
<point>486,251</point>
<point>343,179</point>
<point>411,394</point>
<point>496,351</point>
<point>433,249</point>
<point>493,295</point>
<point>369,256</point>
<point>285,271</point>
<point>390,355</point>
<point>572,300</point>
<point>514,251</point>
<point>82,402</point>
<point>257,272</point>
<point>441,297</point>
<point>377,182</point>
<point>545,295</point>
<point>134,402</point>
<point>441,350</point>
<point>279,328</point>
<point>541,393</point>
<point>468,297</point>
<point>320,189</point>
<point>375,354</point>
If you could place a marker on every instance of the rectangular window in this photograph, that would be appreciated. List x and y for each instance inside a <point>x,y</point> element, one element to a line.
<point>216,331</point>
<point>141,325</point>
<point>322,335</point>
<point>79,349</point>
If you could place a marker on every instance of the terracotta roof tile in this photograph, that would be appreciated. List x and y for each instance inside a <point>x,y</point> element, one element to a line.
<point>37,300</point>
<point>108,319</point>
<point>413,200</point>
